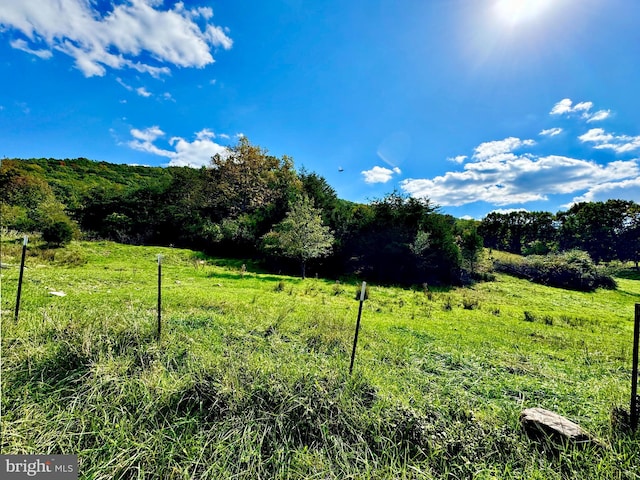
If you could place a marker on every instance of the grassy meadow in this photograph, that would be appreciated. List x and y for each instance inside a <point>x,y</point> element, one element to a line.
<point>250,376</point>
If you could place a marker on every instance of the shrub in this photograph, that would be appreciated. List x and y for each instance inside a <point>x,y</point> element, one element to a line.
<point>573,270</point>
<point>470,303</point>
<point>538,247</point>
<point>15,217</point>
<point>483,277</point>
<point>58,232</point>
<point>447,306</point>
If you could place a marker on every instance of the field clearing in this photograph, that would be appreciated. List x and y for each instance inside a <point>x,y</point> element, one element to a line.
<point>250,378</point>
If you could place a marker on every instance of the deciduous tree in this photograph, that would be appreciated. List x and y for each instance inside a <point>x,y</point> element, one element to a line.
<point>245,178</point>
<point>301,235</point>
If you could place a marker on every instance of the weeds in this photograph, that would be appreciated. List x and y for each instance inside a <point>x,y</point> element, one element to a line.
<point>470,303</point>
<point>247,383</point>
<point>447,306</point>
<point>531,317</point>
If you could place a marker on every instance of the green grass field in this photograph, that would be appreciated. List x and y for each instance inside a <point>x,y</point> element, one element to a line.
<point>250,377</point>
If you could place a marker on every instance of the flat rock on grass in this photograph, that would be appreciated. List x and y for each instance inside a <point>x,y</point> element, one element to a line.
<point>539,422</point>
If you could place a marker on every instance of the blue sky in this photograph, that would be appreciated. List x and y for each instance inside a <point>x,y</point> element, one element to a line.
<point>479,105</point>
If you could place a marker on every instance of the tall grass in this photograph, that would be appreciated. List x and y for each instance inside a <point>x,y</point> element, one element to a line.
<point>249,380</point>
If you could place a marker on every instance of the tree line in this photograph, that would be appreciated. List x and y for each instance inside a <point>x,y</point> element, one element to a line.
<point>252,205</point>
<point>245,204</point>
<point>607,231</point>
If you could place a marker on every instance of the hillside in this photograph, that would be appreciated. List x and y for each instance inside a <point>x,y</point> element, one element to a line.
<point>250,376</point>
<point>71,179</point>
<point>236,209</point>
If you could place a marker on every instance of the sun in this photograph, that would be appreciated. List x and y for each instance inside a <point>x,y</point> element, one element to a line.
<point>515,12</point>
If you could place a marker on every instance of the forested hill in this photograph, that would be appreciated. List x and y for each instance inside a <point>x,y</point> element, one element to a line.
<point>247,205</point>
<point>71,179</point>
<point>254,205</point>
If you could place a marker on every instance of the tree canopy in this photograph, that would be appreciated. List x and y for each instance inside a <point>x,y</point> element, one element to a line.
<point>249,204</point>
<point>605,230</point>
<point>301,235</point>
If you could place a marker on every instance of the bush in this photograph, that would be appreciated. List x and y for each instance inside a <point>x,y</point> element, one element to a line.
<point>538,247</point>
<point>470,303</point>
<point>572,270</point>
<point>58,232</point>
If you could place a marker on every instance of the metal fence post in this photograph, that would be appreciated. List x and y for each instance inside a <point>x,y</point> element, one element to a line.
<point>159,295</point>
<point>355,338</point>
<point>24,254</point>
<point>634,370</point>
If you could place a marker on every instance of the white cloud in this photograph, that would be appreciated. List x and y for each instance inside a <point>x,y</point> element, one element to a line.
<point>498,176</point>
<point>131,31</point>
<point>143,92</point>
<point>196,154</point>
<point>617,143</point>
<point>518,180</point>
<point>497,147</point>
<point>379,174</point>
<point>125,85</point>
<point>218,37</point>
<point>596,135</point>
<point>20,44</point>
<point>148,134</point>
<point>624,190</point>
<point>583,107</point>
<point>551,132</point>
<point>458,159</point>
<point>506,211</point>
<point>204,134</point>
<point>566,107</point>
<point>599,115</point>
<point>562,107</point>
<point>204,12</point>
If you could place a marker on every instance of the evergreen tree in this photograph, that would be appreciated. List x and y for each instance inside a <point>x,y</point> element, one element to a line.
<point>471,247</point>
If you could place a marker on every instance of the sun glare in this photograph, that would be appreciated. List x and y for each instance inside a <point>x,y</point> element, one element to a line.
<point>515,12</point>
